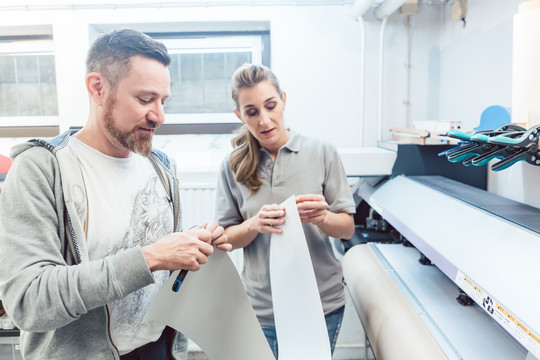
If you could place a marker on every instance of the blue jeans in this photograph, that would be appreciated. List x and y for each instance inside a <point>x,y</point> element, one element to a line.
<point>333,324</point>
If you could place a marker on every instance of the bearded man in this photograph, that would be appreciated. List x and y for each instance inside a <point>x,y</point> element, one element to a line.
<point>90,219</point>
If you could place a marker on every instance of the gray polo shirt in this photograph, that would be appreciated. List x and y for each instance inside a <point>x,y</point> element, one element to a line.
<point>303,166</point>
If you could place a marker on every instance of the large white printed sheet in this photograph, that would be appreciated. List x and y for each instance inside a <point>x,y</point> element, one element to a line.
<point>212,307</point>
<point>299,317</point>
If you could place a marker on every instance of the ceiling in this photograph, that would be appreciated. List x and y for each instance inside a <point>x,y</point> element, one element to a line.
<point>22,5</point>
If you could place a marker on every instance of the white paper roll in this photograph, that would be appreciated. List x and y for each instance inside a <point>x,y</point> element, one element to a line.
<point>526,64</point>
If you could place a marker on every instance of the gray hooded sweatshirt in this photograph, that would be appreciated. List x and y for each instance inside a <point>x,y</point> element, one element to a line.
<point>51,290</point>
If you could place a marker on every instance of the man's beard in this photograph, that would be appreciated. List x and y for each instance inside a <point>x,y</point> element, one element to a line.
<point>131,140</point>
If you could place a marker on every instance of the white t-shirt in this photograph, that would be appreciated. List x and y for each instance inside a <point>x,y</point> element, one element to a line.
<point>127,207</point>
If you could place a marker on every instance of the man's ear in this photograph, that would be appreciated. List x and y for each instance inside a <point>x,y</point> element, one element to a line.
<point>95,86</point>
<point>238,115</point>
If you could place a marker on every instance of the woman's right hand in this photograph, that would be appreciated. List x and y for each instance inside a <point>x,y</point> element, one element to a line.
<point>268,219</point>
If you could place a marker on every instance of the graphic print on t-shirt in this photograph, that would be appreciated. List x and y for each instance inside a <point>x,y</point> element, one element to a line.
<point>151,219</point>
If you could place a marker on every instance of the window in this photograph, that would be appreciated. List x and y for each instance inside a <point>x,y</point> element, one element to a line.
<point>27,85</point>
<point>27,79</point>
<point>201,70</point>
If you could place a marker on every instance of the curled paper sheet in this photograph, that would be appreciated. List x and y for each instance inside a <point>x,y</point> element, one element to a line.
<point>298,313</point>
<point>212,308</point>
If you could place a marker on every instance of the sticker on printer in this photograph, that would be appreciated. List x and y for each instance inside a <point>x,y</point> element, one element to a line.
<point>507,320</point>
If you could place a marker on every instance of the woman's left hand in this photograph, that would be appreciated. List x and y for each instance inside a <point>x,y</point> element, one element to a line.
<point>312,208</point>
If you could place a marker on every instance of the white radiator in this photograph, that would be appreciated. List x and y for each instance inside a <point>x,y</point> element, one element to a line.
<point>197,202</point>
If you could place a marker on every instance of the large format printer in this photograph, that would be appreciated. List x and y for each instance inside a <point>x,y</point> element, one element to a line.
<point>466,287</point>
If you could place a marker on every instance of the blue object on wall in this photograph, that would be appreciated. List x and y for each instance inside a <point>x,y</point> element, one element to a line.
<point>493,117</point>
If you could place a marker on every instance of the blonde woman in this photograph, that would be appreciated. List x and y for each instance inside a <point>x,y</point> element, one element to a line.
<point>268,164</point>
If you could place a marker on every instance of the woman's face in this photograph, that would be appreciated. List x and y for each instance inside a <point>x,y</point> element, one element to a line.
<point>261,109</point>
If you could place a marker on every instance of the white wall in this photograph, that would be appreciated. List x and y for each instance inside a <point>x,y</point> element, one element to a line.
<point>425,67</point>
<point>476,60</point>
<point>476,72</point>
<point>454,72</point>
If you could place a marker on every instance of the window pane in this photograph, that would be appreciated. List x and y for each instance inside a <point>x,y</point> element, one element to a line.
<point>8,87</point>
<point>47,76</point>
<point>29,90</point>
<point>234,60</point>
<point>29,99</point>
<point>7,69</point>
<point>173,103</point>
<point>27,77</point>
<point>215,81</point>
<point>27,70</point>
<point>201,83</point>
<point>28,85</point>
<point>187,88</point>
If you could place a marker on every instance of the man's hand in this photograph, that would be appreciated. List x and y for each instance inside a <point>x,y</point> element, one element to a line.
<point>180,250</point>
<point>219,239</point>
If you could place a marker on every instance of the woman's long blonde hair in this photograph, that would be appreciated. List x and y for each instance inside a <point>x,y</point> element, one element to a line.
<point>245,157</point>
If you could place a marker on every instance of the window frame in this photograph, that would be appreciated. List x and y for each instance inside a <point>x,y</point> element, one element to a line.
<point>206,123</point>
<point>211,45</point>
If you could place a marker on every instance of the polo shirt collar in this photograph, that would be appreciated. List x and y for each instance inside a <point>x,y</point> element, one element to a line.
<point>294,142</point>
